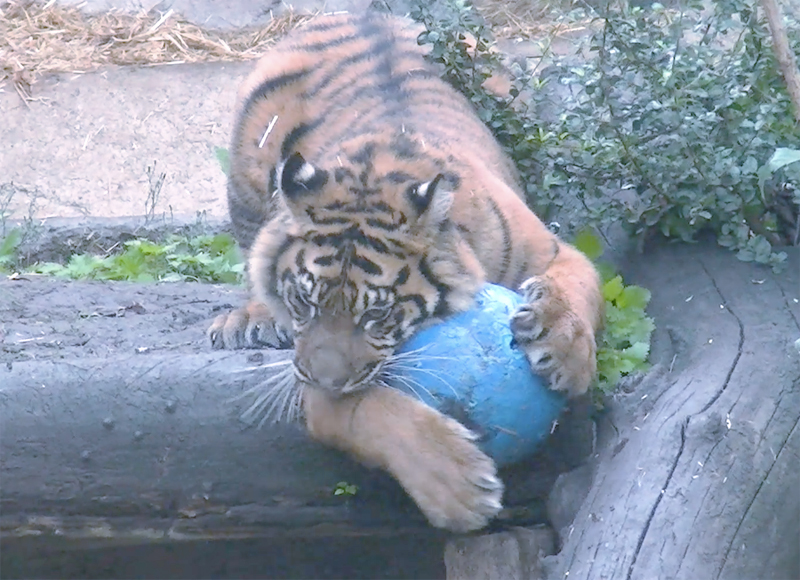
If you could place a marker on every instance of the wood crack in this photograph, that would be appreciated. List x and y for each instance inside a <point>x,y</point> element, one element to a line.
<point>685,423</point>
<point>755,496</point>
<point>740,346</point>
<point>652,513</point>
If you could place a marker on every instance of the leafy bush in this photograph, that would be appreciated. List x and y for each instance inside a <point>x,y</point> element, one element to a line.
<point>204,258</point>
<point>624,344</point>
<point>8,249</point>
<point>668,128</point>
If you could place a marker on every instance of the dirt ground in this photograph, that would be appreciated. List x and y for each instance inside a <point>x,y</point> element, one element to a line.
<point>94,143</point>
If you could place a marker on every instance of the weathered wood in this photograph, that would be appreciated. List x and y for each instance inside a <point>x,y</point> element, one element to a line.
<point>159,453</point>
<point>512,555</point>
<point>697,471</point>
<point>120,426</point>
<point>783,52</point>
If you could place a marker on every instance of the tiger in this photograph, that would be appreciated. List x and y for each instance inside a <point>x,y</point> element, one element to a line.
<point>372,201</point>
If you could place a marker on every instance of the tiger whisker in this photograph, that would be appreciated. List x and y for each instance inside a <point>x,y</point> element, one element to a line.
<point>417,354</point>
<point>430,372</point>
<point>273,403</point>
<point>276,399</point>
<point>405,383</point>
<point>280,363</point>
<point>411,384</point>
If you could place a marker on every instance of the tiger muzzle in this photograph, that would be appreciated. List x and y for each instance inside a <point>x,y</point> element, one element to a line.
<point>334,355</point>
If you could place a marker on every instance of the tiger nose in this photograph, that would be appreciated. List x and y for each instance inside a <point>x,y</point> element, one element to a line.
<point>330,368</point>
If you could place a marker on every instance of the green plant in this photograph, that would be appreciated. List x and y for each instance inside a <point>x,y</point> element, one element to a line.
<point>668,126</point>
<point>206,258</point>
<point>223,158</point>
<point>8,250</point>
<point>345,489</point>
<point>624,344</point>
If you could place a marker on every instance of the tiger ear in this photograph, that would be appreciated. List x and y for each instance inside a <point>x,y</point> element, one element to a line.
<point>431,200</point>
<point>296,177</point>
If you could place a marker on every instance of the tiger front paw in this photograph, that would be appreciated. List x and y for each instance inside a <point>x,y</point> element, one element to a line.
<point>250,327</point>
<point>452,481</point>
<point>559,344</point>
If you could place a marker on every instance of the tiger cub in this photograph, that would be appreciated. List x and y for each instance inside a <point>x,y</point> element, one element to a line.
<point>371,201</point>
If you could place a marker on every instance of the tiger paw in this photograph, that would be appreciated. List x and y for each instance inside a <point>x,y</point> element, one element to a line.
<point>250,327</point>
<point>559,344</point>
<point>452,481</point>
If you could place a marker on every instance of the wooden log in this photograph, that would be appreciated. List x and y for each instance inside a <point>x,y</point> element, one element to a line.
<point>119,426</point>
<point>149,447</point>
<point>511,555</point>
<point>783,53</point>
<point>697,467</point>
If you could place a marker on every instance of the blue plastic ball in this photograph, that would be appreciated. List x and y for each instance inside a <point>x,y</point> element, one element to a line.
<point>467,367</point>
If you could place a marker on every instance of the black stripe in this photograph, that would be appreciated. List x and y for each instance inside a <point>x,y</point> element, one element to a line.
<point>273,267</point>
<point>297,133</point>
<point>365,155</point>
<point>521,275</point>
<point>324,260</point>
<point>269,86</point>
<point>384,207</point>
<point>421,307</point>
<point>508,246</point>
<point>351,234</point>
<point>441,309</point>
<point>325,221</point>
<point>324,45</point>
<point>342,64</point>
<point>321,24</point>
<point>382,225</point>
<point>342,173</point>
<point>402,276</point>
<point>398,177</point>
<point>404,147</point>
<point>452,179</point>
<point>367,265</point>
<point>299,259</point>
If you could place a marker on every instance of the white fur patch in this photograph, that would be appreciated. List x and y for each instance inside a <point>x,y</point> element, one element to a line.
<point>305,173</point>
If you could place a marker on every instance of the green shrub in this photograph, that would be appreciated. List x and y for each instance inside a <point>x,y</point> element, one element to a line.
<point>624,344</point>
<point>675,115</point>
<point>206,258</point>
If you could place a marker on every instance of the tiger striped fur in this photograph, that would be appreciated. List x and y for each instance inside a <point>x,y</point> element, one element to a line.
<point>371,201</point>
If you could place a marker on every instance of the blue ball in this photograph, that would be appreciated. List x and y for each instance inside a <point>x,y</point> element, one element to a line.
<point>468,369</point>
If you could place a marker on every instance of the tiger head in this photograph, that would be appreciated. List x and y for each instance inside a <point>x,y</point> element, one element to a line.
<point>356,262</point>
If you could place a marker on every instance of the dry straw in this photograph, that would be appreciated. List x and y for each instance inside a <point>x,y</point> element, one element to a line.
<point>38,38</point>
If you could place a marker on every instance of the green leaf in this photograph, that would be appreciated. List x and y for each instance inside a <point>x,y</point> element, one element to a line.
<point>613,288</point>
<point>589,243</point>
<point>9,245</point>
<point>633,297</point>
<point>783,156</point>
<point>637,353</point>
<point>224,159</point>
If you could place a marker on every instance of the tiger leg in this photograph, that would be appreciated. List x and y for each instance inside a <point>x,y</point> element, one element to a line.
<point>556,326</point>
<point>433,456</point>
<point>252,326</point>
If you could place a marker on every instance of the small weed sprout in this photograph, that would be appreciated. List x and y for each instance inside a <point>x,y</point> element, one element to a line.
<point>345,489</point>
